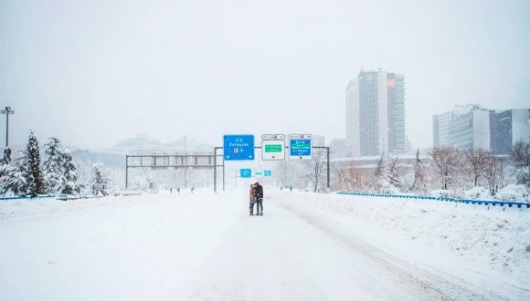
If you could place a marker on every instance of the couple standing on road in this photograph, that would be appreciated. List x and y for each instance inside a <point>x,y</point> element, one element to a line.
<point>256,197</point>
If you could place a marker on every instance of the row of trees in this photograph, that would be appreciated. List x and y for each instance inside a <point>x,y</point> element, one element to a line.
<point>28,174</point>
<point>444,168</point>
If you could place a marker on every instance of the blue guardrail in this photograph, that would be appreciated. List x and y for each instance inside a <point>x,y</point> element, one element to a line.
<point>27,197</point>
<point>446,199</point>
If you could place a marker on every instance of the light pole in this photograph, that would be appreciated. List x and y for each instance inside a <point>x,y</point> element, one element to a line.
<point>7,111</point>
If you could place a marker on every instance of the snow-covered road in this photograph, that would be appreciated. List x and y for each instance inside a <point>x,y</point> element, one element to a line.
<point>204,246</point>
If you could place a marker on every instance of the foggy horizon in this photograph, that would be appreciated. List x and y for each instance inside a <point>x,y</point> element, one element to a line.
<point>94,74</point>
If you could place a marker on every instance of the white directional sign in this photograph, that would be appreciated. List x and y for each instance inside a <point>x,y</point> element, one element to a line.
<point>300,146</point>
<point>273,147</point>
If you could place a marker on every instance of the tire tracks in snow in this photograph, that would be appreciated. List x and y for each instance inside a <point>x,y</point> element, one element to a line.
<point>427,285</point>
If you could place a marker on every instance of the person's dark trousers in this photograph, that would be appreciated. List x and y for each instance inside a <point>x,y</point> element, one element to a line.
<point>251,208</point>
<point>259,208</point>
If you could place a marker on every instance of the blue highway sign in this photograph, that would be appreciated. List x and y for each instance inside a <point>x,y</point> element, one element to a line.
<point>238,147</point>
<point>245,173</point>
<point>300,148</point>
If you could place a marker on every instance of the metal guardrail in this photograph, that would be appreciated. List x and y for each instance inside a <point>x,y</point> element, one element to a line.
<point>27,197</point>
<point>446,199</point>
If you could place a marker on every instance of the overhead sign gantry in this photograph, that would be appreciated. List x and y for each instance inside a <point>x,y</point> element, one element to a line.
<point>241,147</point>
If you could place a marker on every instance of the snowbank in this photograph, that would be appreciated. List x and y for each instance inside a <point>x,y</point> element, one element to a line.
<point>495,239</point>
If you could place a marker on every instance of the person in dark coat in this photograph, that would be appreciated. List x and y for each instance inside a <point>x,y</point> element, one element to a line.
<point>259,198</point>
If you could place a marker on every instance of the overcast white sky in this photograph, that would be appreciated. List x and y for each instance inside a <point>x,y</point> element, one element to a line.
<point>95,72</point>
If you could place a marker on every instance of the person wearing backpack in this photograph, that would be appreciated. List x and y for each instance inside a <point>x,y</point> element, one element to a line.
<point>259,198</point>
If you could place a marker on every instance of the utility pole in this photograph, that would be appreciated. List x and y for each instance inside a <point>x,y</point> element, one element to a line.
<point>7,111</point>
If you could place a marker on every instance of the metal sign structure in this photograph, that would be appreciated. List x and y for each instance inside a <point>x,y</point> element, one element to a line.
<point>272,147</point>
<point>300,146</point>
<point>238,147</point>
<point>177,161</point>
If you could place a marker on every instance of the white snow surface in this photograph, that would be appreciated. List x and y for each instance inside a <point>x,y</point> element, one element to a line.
<point>306,246</point>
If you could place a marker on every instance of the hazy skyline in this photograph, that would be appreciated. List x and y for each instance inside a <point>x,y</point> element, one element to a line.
<point>97,72</point>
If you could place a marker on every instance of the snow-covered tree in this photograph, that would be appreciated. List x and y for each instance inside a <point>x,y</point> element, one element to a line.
<point>419,173</point>
<point>379,175</point>
<point>476,162</point>
<point>5,169</point>
<point>446,162</point>
<point>494,173</point>
<point>521,158</point>
<point>13,180</point>
<point>69,174</point>
<point>54,166</point>
<point>6,159</point>
<point>394,173</point>
<point>316,165</point>
<point>99,181</point>
<point>35,178</point>
<point>379,171</point>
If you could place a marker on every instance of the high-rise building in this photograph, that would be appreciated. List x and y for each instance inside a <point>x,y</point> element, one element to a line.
<point>507,128</point>
<point>471,127</point>
<point>375,114</point>
<point>471,130</point>
<point>466,127</point>
<point>442,127</point>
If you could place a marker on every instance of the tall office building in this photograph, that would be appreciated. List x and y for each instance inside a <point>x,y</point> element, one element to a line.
<point>472,127</point>
<point>375,114</point>
<point>442,127</point>
<point>465,127</point>
<point>507,128</point>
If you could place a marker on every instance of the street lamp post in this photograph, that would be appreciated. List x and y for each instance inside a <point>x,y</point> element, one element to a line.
<point>7,111</point>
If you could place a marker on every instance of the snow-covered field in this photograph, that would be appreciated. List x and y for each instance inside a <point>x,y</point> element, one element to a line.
<point>205,246</point>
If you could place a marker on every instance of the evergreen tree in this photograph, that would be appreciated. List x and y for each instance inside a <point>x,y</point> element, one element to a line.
<point>5,169</point>
<point>7,156</point>
<point>379,175</point>
<point>54,166</point>
<point>393,173</point>
<point>35,178</point>
<point>70,174</point>
<point>419,173</point>
<point>14,175</point>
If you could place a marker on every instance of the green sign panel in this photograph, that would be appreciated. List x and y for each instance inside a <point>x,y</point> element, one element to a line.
<point>273,148</point>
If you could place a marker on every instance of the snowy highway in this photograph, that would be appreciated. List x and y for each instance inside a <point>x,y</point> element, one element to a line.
<point>205,246</point>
